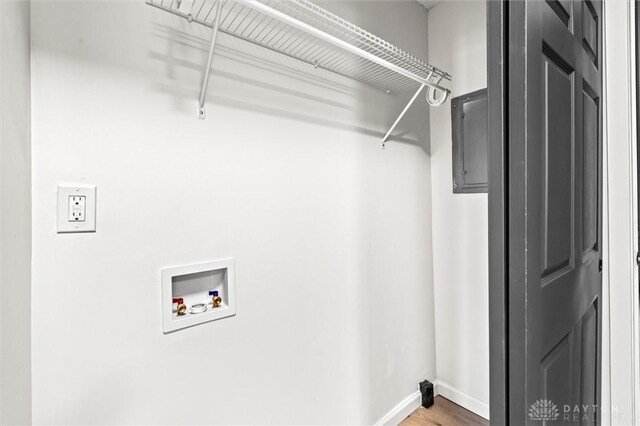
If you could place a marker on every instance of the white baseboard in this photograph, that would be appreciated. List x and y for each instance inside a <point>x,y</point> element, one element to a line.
<point>402,410</point>
<point>465,400</point>
<point>413,401</point>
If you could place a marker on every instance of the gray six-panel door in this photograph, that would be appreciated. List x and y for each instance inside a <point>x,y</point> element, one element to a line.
<point>554,205</point>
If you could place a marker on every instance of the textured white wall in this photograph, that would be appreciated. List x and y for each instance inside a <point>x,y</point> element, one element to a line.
<point>331,235</point>
<point>457,44</point>
<point>15,214</point>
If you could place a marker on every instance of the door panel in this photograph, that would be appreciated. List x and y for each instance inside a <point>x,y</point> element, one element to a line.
<point>557,375</point>
<point>553,209</point>
<point>562,8</point>
<point>557,176</point>
<point>589,372</point>
<point>590,30</point>
<point>590,182</point>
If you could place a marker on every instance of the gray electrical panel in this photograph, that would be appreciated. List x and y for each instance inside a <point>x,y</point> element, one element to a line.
<point>469,124</point>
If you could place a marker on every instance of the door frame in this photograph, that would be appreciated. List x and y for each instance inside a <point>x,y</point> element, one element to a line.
<point>497,62</point>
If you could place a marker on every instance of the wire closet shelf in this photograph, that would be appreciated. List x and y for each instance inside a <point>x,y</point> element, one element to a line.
<point>309,33</point>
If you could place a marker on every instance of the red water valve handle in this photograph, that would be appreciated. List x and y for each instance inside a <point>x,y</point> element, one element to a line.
<point>178,300</point>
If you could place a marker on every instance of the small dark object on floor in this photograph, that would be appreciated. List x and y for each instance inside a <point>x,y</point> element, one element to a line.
<point>426,389</point>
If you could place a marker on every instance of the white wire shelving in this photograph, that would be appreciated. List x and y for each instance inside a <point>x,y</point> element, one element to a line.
<point>309,33</point>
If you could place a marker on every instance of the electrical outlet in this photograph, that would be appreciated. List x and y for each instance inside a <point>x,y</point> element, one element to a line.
<point>76,209</point>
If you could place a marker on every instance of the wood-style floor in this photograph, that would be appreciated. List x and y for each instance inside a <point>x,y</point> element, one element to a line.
<point>443,413</point>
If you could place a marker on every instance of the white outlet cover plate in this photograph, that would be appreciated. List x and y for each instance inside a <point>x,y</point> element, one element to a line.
<point>64,224</point>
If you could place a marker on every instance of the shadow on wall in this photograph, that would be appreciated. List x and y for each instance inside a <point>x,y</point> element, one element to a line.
<point>258,73</point>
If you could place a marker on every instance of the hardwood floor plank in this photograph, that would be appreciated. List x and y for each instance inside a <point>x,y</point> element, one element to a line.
<point>444,413</point>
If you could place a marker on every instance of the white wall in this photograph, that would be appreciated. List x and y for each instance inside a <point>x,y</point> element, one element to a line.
<point>331,235</point>
<point>15,214</point>
<point>457,44</point>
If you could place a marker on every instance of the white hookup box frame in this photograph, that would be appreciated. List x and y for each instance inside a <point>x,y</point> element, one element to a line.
<point>193,283</point>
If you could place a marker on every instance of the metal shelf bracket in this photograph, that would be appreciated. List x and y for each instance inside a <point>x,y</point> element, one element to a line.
<point>202,114</point>
<point>432,99</point>
<point>404,111</point>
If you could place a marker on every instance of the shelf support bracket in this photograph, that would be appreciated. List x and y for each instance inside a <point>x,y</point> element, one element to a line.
<point>404,111</point>
<point>205,78</point>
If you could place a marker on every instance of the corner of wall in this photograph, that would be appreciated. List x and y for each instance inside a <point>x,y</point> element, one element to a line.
<point>457,44</point>
<point>15,212</point>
